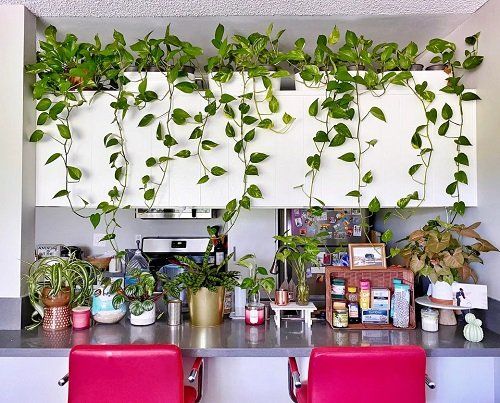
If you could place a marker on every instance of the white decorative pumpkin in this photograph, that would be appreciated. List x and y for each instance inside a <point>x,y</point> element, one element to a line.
<point>472,330</point>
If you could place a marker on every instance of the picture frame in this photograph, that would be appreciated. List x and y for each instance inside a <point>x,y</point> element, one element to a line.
<point>366,256</point>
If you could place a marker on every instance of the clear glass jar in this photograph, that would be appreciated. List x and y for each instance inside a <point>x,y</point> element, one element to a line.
<point>430,319</point>
<point>302,293</point>
<point>253,298</point>
<point>340,318</point>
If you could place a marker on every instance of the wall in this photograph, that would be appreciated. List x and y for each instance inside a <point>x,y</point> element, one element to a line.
<point>488,144</point>
<point>252,233</point>
<point>17,157</point>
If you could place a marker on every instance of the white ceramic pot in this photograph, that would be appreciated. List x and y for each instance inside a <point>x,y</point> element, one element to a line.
<point>301,85</point>
<point>156,81</point>
<point>144,319</point>
<point>441,292</point>
<point>435,79</point>
<point>236,85</point>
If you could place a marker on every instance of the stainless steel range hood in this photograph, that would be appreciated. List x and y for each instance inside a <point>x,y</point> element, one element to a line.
<point>175,213</point>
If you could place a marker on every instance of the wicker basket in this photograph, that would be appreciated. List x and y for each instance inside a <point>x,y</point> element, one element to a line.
<point>378,278</point>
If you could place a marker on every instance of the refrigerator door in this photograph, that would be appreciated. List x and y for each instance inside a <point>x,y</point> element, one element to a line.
<point>343,226</point>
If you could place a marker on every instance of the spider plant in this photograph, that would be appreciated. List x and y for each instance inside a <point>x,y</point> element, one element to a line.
<point>73,276</point>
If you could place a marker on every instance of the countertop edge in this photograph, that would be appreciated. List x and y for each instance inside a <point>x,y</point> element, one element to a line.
<point>249,353</point>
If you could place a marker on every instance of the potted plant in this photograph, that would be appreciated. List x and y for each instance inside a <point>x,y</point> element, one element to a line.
<point>140,296</point>
<point>55,285</point>
<point>205,284</point>
<point>314,72</point>
<point>247,64</point>
<point>103,310</point>
<point>258,280</point>
<point>438,251</point>
<point>300,252</point>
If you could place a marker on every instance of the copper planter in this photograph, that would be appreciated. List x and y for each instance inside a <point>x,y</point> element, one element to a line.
<point>56,318</point>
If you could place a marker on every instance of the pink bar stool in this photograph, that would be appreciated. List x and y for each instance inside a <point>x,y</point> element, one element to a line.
<point>130,373</point>
<point>391,374</point>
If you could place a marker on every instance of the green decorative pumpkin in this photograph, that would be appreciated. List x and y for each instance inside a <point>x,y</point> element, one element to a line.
<point>472,330</point>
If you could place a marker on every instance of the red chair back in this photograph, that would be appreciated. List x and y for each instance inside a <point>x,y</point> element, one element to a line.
<point>125,373</point>
<point>367,374</point>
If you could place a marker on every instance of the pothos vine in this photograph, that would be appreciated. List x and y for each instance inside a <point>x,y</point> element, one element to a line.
<point>65,69</point>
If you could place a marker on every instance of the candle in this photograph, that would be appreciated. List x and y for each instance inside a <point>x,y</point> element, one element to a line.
<point>80,316</point>
<point>430,320</point>
<point>254,314</point>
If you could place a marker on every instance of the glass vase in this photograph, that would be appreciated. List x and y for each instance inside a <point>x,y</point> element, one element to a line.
<point>302,293</point>
<point>253,298</point>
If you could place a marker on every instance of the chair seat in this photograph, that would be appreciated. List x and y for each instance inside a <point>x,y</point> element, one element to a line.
<point>302,393</point>
<point>189,394</point>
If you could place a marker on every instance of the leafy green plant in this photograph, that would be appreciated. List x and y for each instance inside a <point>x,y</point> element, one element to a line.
<point>57,274</point>
<point>204,275</point>
<point>258,280</point>
<point>301,252</point>
<point>139,294</point>
<point>171,57</point>
<point>438,251</point>
<point>445,53</point>
<point>243,56</point>
<point>64,70</point>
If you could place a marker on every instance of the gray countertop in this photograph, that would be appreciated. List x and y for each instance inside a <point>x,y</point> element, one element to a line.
<point>235,339</point>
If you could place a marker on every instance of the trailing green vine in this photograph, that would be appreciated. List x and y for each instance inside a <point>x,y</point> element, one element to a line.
<point>445,53</point>
<point>254,64</point>
<point>241,62</point>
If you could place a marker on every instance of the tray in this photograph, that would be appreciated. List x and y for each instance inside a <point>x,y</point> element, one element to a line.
<point>378,278</point>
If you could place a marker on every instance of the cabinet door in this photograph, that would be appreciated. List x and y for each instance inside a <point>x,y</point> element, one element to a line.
<point>185,172</point>
<point>443,167</point>
<point>283,169</point>
<point>215,192</point>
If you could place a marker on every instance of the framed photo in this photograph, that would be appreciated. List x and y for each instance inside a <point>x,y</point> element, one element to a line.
<point>470,295</point>
<point>364,256</point>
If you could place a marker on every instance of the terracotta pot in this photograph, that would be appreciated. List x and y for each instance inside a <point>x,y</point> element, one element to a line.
<point>60,299</point>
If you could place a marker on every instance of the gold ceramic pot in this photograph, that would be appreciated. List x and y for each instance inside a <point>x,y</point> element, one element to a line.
<point>206,308</point>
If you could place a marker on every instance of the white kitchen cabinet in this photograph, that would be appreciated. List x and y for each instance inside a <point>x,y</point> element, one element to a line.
<point>282,171</point>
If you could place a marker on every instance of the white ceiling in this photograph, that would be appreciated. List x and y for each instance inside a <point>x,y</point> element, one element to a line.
<point>184,8</point>
<point>200,30</point>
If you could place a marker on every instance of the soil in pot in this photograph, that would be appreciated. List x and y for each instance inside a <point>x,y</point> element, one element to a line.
<point>60,299</point>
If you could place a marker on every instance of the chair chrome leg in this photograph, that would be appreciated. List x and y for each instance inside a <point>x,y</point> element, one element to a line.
<point>291,386</point>
<point>64,380</point>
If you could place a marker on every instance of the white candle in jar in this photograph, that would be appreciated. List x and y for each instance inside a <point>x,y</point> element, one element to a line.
<point>430,319</point>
